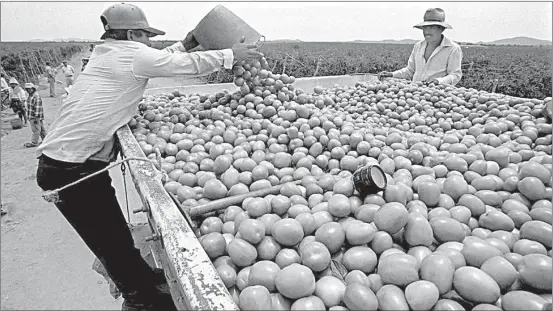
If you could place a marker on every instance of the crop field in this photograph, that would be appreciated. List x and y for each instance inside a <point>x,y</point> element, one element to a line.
<point>518,71</point>
<point>26,60</point>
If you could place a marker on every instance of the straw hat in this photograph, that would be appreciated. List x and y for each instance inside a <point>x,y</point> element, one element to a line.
<point>30,86</point>
<point>13,81</point>
<point>435,16</point>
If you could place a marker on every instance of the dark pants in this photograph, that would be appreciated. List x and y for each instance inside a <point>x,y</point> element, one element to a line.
<point>92,209</point>
<point>52,82</point>
<point>37,127</point>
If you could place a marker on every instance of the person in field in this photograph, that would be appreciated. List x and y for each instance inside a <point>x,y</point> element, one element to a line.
<point>68,72</point>
<point>85,61</point>
<point>5,85</point>
<point>5,89</point>
<point>36,115</point>
<point>51,75</point>
<point>17,100</point>
<point>436,59</point>
<point>81,139</point>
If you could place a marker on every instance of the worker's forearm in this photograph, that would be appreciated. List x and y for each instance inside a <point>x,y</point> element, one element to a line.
<point>451,79</point>
<point>404,73</point>
<point>155,64</point>
<point>176,47</point>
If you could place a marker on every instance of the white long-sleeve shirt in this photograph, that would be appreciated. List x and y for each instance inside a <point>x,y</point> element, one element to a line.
<point>18,93</point>
<point>443,65</point>
<point>106,95</point>
<point>68,70</point>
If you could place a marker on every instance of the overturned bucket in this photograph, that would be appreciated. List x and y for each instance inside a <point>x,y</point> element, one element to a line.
<point>221,29</point>
<point>369,179</point>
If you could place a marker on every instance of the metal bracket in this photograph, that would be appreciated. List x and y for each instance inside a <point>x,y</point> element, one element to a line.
<point>153,237</point>
<point>156,236</point>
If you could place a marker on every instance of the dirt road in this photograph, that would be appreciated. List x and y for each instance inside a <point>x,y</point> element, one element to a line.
<point>45,264</point>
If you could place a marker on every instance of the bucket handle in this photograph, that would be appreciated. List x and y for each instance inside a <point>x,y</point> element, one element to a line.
<point>260,43</point>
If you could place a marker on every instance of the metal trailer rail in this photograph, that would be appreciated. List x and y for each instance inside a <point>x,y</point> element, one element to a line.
<point>193,280</point>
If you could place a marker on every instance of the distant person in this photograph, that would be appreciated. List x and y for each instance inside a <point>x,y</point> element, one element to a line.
<point>435,60</point>
<point>51,75</point>
<point>17,100</point>
<point>5,86</point>
<point>5,91</point>
<point>68,71</point>
<point>36,115</point>
<point>85,61</point>
<point>81,140</point>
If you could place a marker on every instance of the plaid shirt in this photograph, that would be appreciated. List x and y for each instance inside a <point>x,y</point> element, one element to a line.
<point>34,104</point>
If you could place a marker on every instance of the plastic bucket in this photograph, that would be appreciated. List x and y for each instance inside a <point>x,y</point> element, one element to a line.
<point>221,29</point>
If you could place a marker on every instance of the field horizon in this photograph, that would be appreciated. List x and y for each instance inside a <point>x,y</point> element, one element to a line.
<point>516,41</point>
<point>522,71</point>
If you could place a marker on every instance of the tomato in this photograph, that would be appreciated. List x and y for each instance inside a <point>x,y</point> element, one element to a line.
<point>295,281</point>
<point>315,256</point>
<point>255,298</point>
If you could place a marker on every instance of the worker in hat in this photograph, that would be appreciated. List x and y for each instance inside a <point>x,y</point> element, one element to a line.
<point>51,75</point>
<point>68,72</point>
<point>17,100</point>
<point>81,140</point>
<point>36,115</point>
<point>436,59</point>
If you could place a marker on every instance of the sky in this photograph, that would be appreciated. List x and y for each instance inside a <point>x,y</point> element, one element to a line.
<point>306,21</point>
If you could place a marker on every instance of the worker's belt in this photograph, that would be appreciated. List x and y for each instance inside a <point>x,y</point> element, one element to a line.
<point>60,164</point>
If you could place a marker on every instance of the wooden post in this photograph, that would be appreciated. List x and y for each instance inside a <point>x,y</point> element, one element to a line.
<point>284,65</point>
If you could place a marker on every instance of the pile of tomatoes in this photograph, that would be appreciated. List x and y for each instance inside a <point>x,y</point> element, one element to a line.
<point>463,224</point>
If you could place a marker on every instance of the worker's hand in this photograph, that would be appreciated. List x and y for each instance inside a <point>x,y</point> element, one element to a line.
<point>431,81</point>
<point>384,74</point>
<point>243,51</point>
<point>190,41</point>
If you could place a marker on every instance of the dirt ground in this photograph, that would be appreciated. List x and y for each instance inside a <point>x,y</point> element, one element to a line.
<point>44,263</point>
